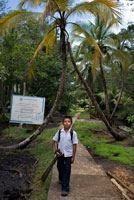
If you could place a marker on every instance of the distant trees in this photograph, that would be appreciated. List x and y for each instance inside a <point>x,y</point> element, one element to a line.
<point>3,6</point>
<point>56,34</point>
<point>17,49</point>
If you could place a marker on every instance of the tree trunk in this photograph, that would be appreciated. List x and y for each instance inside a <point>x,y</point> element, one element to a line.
<point>28,140</point>
<point>115,133</point>
<point>120,95</point>
<point>90,84</point>
<point>105,90</point>
<point>11,92</point>
<point>2,105</point>
<point>24,88</point>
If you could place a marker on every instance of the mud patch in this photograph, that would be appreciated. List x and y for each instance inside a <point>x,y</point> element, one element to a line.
<point>15,171</point>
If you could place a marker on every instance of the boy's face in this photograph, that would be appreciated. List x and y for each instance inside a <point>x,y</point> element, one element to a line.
<point>67,123</point>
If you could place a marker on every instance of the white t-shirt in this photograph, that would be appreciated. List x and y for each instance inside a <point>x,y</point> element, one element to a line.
<point>66,144</point>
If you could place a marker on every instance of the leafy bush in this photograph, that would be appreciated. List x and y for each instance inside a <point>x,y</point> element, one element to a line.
<point>83,103</point>
<point>125,109</point>
<point>130,119</point>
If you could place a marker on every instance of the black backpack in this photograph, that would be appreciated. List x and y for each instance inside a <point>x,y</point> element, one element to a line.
<point>71,134</point>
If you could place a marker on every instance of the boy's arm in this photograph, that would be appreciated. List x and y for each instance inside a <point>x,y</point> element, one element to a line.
<point>74,151</point>
<point>58,154</point>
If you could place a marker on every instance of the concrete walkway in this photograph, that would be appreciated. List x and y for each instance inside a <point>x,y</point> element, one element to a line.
<point>88,180</point>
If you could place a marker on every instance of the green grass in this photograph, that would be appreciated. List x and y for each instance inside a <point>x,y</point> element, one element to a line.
<point>84,115</point>
<point>74,111</point>
<point>44,153</point>
<point>98,143</point>
<point>16,132</point>
<point>42,150</point>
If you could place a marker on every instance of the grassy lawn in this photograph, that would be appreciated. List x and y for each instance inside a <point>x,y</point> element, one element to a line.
<point>98,143</point>
<point>84,115</point>
<point>42,150</point>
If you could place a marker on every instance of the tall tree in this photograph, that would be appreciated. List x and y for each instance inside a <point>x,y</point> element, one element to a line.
<point>59,12</point>
<point>117,134</point>
<point>98,32</point>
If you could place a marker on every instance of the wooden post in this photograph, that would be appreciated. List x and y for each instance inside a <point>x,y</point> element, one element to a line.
<point>36,126</point>
<point>9,130</point>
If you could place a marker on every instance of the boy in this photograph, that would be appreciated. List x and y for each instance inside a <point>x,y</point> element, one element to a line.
<point>65,148</point>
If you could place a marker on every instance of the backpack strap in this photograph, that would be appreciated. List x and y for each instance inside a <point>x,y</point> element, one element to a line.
<point>59,135</point>
<point>71,133</point>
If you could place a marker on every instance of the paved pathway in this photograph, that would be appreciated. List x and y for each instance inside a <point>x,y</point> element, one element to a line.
<point>88,180</point>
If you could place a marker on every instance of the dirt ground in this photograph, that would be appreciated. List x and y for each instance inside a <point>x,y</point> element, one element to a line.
<point>16,167</point>
<point>16,170</point>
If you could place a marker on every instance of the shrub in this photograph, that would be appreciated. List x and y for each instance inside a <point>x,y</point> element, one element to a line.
<point>130,119</point>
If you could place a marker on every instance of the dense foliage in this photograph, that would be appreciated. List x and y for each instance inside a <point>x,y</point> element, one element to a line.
<point>18,47</point>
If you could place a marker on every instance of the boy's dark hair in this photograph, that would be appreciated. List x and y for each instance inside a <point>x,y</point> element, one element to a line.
<point>67,117</point>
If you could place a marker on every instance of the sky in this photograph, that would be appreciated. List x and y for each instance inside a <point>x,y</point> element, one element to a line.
<point>127,10</point>
<point>13,4</point>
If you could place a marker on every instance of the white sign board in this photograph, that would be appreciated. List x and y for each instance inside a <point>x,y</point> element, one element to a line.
<point>27,109</point>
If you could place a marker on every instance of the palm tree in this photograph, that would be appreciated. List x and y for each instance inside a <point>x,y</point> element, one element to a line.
<point>59,12</point>
<point>120,56</point>
<point>99,33</point>
<point>117,134</point>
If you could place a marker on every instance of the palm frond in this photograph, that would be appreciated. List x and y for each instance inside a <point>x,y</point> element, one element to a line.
<point>89,38</point>
<point>105,9</point>
<point>122,57</point>
<point>47,42</point>
<point>12,19</point>
<point>95,65</point>
<point>30,72</point>
<point>53,6</point>
<point>32,3</point>
<point>131,66</point>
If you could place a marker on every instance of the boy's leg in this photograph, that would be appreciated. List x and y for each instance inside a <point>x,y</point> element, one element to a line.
<point>60,167</point>
<point>66,174</point>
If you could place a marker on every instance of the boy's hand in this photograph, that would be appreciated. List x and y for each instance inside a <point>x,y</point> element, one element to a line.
<point>72,160</point>
<point>58,154</point>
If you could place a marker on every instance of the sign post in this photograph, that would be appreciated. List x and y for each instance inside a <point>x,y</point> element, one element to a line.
<point>27,109</point>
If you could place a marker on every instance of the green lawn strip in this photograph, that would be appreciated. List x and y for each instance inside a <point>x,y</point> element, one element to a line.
<point>45,154</point>
<point>16,132</point>
<point>43,151</point>
<point>97,143</point>
<point>90,125</point>
<point>84,115</point>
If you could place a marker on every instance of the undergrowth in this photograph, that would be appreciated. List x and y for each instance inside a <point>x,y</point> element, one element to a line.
<point>98,143</point>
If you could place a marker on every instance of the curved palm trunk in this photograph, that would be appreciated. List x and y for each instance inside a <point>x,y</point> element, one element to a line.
<point>28,140</point>
<point>120,95</point>
<point>105,91</point>
<point>116,135</point>
<point>90,84</point>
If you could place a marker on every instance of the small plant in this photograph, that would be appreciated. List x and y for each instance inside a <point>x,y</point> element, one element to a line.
<point>130,119</point>
<point>83,103</point>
